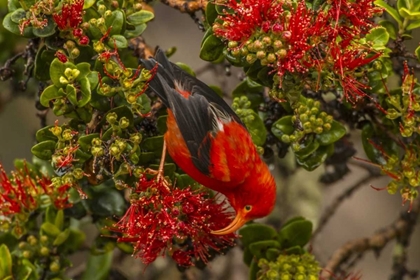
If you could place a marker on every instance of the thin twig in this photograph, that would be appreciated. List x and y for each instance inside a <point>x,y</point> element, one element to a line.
<point>330,211</point>
<point>399,268</point>
<point>189,7</point>
<point>401,227</point>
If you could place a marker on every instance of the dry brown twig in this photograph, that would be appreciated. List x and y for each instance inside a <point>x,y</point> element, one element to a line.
<point>184,6</point>
<point>402,227</point>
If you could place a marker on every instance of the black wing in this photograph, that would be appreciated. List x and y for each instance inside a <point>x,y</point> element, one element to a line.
<point>197,115</point>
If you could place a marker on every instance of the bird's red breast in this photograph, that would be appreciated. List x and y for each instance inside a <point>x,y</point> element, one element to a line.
<point>211,144</point>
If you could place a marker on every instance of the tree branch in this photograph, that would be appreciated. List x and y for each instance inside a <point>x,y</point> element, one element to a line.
<point>402,227</point>
<point>184,6</point>
<point>330,211</point>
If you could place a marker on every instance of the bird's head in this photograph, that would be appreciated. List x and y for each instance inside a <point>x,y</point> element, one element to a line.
<point>253,199</point>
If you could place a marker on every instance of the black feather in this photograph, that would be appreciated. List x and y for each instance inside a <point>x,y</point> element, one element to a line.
<point>195,115</point>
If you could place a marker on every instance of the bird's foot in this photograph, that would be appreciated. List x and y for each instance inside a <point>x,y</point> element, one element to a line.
<point>159,177</point>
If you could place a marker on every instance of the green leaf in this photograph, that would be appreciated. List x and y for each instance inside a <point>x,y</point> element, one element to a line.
<point>212,48</point>
<point>250,89</point>
<point>140,17</point>
<point>13,27</point>
<point>315,159</point>
<point>413,25</point>
<point>168,168</point>
<point>115,22</point>
<point>393,12</point>
<point>44,150</point>
<point>85,92</point>
<point>93,79</point>
<point>211,13</point>
<point>283,126</point>
<point>376,144</point>
<point>256,232</point>
<point>43,60</point>
<point>296,233</point>
<point>183,181</point>
<point>47,30</point>
<point>417,53</point>
<point>25,270</point>
<point>253,270</point>
<point>98,267</point>
<point>247,257</point>
<point>49,94</point>
<point>390,28</point>
<point>135,32</point>
<point>56,71</point>
<point>295,250</point>
<point>88,3</point>
<point>18,15</point>
<point>59,219</point>
<point>44,134</point>
<point>119,41</point>
<point>272,254</point>
<point>412,15</point>
<point>257,129</point>
<point>154,143</point>
<point>307,147</point>
<point>186,68</point>
<point>378,36</point>
<point>108,203</point>
<point>85,141</point>
<point>84,69</point>
<point>62,237</point>
<point>259,248</point>
<point>71,94</point>
<point>50,229</point>
<point>336,132</point>
<point>146,157</point>
<point>13,5</point>
<point>73,242</point>
<point>5,262</point>
<point>161,124</point>
<point>50,215</point>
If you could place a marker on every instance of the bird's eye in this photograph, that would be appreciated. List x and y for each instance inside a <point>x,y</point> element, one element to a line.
<point>248,208</point>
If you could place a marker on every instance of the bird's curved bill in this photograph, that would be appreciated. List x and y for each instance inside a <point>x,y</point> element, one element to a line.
<point>237,223</point>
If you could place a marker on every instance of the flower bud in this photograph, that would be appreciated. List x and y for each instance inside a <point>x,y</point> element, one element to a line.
<point>44,251</point>
<point>56,130</point>
<point>232,44</point>
<point>67,134</point>
<point>124,122</point>
<point>108,13</point>
<point>26,254</point>
<point>97,151</point>
<point>114,150</point>
<point>111,118</point>
<point>101,9</point>
<point>271,58</point>
<point>78,173</point>
<point>251,58</point>
<point>55,266</point>
<point>261,54</point>
<point>96,142</point>
<point>136,138</point>
<point>69,45</point>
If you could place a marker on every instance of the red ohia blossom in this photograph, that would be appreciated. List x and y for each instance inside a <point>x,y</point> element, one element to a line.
<point>71,15</point>
<point>61,56</point>
<point>178,222</point>
<point>249,16</point>
<point>21,192</point>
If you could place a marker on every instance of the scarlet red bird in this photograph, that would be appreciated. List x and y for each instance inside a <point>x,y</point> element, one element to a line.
<point>209,142</point>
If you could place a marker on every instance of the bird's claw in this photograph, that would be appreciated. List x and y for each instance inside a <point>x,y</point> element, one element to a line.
<point>159,177</point>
